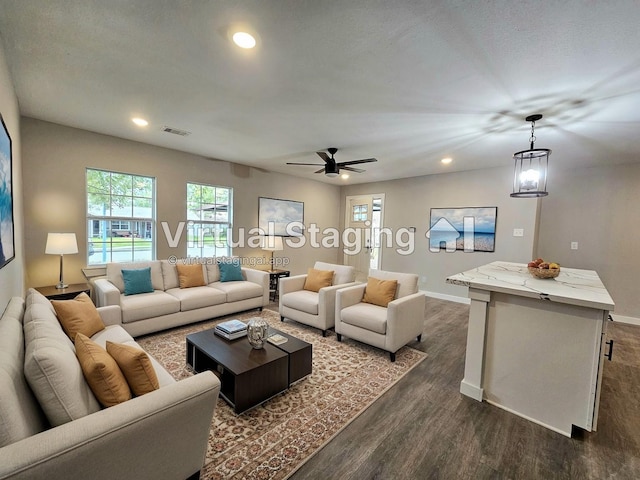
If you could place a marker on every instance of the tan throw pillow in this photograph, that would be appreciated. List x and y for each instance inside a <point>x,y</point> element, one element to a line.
<point>380,292</point>
<point>101,372</point>
<point>190,276</point>
<point>78,316</point>
<point>317,279</point>
<point>136,367</point>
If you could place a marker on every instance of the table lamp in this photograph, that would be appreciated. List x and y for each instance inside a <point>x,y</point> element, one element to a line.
<point>272,244</point>
<point>59,244</point>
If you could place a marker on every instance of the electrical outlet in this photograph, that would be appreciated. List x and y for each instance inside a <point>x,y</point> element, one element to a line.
<point>518,232</point>
<point>574,245</point>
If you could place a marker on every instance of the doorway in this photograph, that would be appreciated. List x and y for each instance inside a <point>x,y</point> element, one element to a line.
<point>363,223</point>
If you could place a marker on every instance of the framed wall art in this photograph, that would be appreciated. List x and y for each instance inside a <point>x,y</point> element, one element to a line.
<point>470,229</point>
<point>285,217</point>
<point>7,245</point>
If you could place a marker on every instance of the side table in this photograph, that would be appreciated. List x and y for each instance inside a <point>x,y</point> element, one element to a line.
<point>72,291</point>
<point>274,280</point>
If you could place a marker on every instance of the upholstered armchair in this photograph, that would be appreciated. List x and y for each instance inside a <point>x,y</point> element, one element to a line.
<point>387,327</point>
<point>314,308</point>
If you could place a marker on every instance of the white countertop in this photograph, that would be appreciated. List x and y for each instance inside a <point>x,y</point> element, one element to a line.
<point>572,286</point>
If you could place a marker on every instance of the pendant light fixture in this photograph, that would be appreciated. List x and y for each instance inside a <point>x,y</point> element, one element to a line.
<point>531,168</point>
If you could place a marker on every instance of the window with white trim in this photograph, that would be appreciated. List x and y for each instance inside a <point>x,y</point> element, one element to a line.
<point>209,215</point>
<point>120,217</point>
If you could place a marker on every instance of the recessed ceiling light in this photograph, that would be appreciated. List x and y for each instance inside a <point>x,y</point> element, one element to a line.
<point>344,176</point>
<point>446,160</point>
<point>244,40</point>
<point>141,122</point>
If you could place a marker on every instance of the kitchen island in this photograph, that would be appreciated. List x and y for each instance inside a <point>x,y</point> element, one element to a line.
<point>535,347</point>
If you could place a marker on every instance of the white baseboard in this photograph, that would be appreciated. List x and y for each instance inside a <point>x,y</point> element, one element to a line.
<point>444,296</point>
<point>624,319</point>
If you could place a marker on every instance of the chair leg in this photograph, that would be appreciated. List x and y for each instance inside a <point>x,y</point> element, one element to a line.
<point>392,355</point>
<point>259,309</point>
<point>281,318</point>
<point>420,337</point>
<point>339,335</point>
<point>324,333</point>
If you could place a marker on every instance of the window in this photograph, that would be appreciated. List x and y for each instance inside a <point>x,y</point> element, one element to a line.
<point>120,217</point>
<point>209,215</point>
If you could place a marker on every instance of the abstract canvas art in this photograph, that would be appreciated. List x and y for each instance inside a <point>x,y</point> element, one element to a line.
<point>282,218</point>
<point>7,247</point>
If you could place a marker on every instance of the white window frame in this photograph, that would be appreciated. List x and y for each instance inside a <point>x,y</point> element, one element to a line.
<point>197,227</point>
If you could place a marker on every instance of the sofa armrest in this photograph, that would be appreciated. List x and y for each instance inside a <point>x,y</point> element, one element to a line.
<point>162,434</point>
<point>261,278</point>
<point>111,315</point>
<point>405,320</point>
<point>291,284</point>
<point>327,300</point>
<point>106,293</point>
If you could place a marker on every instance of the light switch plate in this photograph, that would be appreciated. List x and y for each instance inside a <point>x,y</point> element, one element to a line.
<point>518,232</point>
<point>574,245</point>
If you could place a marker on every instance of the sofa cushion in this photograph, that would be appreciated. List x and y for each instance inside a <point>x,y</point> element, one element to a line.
<point>148,305</point>
<point>366,315</point>
<point>317,279</point>
<point>303,300</point>
<point>102,372</point>
<point>78,315</point>
<point>114,273</point>
<point>169,274</point>
<point>136,367</point>
<point>20,414</point>
<point>212,269</point>
<point>343,273</point>
<point>407,282</point>
<point>137,280</point>
<point>198,297</point>
<point>53,371</point>
<point>34,296</point>
<point>379,292</point>
<point>190,276</point>
<point>230,270</point>
<point>236,291</point>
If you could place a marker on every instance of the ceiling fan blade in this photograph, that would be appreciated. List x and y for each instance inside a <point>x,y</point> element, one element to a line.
<point>320,171</point>
<point>351,169</point>
<point>324,156</point>
<point>295,163</point>
<point>354,162</point>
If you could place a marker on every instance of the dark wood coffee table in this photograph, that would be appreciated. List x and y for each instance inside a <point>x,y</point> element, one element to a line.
<point>249,376</point>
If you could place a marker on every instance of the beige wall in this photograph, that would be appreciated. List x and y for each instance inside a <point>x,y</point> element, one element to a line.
<point>55,159</point>
<point>598,208</point>
<point>12,275</point>
<point>408,202</point>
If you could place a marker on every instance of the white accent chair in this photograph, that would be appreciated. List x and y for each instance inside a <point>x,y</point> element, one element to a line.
<point>387,328</point>
<point>316,309</point>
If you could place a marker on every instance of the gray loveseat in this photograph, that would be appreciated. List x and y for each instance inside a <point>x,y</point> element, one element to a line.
<point>53,426</point>
<point>170,306</point>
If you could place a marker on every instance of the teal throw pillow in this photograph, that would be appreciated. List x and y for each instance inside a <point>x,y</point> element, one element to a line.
<point>137,281</point>
<point>230,271</point>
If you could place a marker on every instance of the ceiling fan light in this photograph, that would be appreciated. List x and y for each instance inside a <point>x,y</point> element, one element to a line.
<point>331,174</point>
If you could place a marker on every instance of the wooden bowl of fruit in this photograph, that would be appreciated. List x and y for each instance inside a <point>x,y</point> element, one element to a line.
<point>541,269</point>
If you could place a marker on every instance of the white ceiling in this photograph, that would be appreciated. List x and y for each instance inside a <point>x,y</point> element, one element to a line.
<point>408,81</point>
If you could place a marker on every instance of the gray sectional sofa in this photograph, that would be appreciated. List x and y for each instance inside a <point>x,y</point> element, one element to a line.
<point>170,306</point>
<point>53,426</point>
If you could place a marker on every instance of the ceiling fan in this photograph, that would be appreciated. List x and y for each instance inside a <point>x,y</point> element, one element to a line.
<point>332,168</point>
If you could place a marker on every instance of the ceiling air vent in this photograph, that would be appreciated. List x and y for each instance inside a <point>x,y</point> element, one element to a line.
<point>175,131</point>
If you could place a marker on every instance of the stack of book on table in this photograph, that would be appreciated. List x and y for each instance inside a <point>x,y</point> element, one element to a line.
<point>231,329</point>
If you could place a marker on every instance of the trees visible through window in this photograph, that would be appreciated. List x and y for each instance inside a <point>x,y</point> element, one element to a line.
<point>120,217</point>
<point>209,215</point>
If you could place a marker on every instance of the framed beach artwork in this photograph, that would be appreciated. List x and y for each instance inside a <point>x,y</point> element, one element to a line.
<point>282,218</point>
<point>7,246</point>
<point>469,229</point>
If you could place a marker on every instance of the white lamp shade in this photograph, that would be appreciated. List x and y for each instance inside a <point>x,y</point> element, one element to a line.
<point>61,244</point>
<point>272,244</point>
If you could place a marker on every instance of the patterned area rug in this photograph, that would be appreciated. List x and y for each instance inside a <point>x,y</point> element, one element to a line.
<point>273,440</point>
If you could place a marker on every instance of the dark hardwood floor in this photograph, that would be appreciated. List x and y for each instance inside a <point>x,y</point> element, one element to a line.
<point>424,428</point>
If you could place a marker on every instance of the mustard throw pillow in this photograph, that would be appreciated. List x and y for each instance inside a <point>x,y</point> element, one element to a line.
<point>78,316</point>
<point>379,292</point>
<point>136,367</point>
<point>101,372</point>
<point>317,279</point>
<point>190,276</point>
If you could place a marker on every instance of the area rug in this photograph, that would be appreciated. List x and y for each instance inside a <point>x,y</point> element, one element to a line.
<point>273,440</point>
